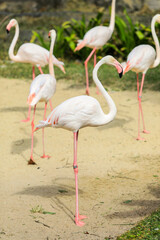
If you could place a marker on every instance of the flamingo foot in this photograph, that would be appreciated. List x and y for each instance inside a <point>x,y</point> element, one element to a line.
<point>31,162</point>
<point>79,223</point>
<point>81,217</point>
<point>45,156</point>
<point>139,138</point>
<point>87,92</point>
<point>26,120</point>
<point>145,131</point>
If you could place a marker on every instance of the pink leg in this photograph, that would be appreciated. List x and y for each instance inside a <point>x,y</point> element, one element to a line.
<point>32,124</point>
<point>144,129</point>
<point>44,156</point>
<point>28,117</point>
<point>75,167</point>
<point>29,109</point>
<point>140,107</point>
<point>40,69</point>
<point>97,90</point>
<point>86,69</point>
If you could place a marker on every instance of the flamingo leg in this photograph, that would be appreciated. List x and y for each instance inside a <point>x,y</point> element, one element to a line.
<point>75,167</point>
<point>140,112</point>
<point>95,62</point>
<point>86,69</point>
<point>32,125</point>
<point>44,156</point>
<point>40,69</point>
<point>29,109</point>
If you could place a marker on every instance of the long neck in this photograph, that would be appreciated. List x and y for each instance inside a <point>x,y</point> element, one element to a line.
<point>112,107</point>
<point>112,18</point>
<point>12,46</point>
<point>157,60</point>
<point>51,69</point>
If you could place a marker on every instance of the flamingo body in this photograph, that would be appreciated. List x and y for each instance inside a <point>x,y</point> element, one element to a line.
<point>140,59</point>
<point>42,88</point>
<point>75,113</point>
<point>95,37</point>
<point>36,55</point>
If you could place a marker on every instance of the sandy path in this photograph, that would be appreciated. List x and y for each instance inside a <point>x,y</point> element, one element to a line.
<point>118,176</point>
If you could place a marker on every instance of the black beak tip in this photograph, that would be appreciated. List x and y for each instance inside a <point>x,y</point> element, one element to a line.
<point>7,31</point>
<point>49,37</point>
<point>121,74</point>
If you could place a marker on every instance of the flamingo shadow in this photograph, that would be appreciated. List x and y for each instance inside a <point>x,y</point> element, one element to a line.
<point>55,192</point>
<point>143,207</point>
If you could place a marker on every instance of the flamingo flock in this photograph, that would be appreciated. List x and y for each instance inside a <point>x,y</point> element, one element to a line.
<point>80,111</point>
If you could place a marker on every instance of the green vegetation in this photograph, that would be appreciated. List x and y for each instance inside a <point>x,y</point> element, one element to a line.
<point>148,229</point>
<point>39,209</point>
<point>126,36</point>
<point>75,71</point>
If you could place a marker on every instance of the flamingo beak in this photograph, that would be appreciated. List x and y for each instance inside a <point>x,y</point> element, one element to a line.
<point>7,31</point>
<point>121,74</point>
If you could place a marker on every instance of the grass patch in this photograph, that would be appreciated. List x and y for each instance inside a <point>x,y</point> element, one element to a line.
<point>147,229</point>
<point>75,71</point>
<point>39,209</point>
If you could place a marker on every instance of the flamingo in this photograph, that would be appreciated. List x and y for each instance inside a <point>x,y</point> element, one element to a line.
<point>83,111</point>
<point>42,88</point>
<point>96,38</point>
<point>140,59</point>
<point>30,53</point>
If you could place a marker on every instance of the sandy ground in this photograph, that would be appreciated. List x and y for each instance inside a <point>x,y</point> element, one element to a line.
<point>118,176</point>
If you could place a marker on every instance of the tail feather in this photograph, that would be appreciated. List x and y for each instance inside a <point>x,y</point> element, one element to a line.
<point>30,98</point>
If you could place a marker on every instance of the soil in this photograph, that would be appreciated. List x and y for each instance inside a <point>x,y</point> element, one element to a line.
<point>118,176</point>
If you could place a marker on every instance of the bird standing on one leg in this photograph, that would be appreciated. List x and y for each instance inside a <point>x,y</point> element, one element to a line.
<point>83,111</point>
<point>96,38</point>
<point>42,88</point>
<point>140,59</point>
<point>30,53</point>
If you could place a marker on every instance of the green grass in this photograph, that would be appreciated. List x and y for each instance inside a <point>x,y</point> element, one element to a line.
<point>75,71</point>
<point>148,229</point>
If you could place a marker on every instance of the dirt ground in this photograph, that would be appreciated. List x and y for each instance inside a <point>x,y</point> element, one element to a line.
<point>118,176</point>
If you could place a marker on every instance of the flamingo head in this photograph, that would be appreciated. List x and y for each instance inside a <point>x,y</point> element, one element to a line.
<point>11,24</point>
<point>117,65</point>
<point>157,16</point>
<point>52,33</point>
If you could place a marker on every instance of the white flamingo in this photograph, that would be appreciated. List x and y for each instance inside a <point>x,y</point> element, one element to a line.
<point>140,59</point>
<point>42,88</point>
<point>96,38</point>
<point>30,53</point>
<point>83,111</point>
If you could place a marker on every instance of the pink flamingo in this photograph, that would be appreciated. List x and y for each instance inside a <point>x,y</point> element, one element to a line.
<point>42,88</point>
<point>96,38</point>
<point>140,59</point>
<point>83,111</point>
<point>30,53</point>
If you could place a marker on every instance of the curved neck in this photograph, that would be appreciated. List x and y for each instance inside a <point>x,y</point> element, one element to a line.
<point>112,107</point>
<point>13,43</point>
<point>51,69</point>
<point>112,18</point>
<point>155,38</point>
